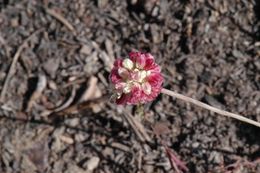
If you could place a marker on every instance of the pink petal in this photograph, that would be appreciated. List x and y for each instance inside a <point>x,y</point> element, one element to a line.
<point>114,76</point>
<point>149,64</point>
<point>154,69</point>
<point>155,79</point>
<point>123,72</point>
<point>118,63</point>
<point>134,75</point>
<point>135,95</point>
<point>149,56</point>
<point>120,86</point>
<point>145,98</point>
<point>134,55</point>
<point>122,100</point>
<point>140,61</point>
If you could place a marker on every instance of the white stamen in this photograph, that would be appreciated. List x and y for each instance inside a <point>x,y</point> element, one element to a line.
<point>128,64</point>
<point>147,88</point>
<point>127,88</point>
<point>123,73</point>
<point>118,95</point>
<point>141,76</point>
<point>148,72</point>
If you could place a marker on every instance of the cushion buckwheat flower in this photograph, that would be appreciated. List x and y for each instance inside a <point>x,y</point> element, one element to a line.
<point>137,79</point>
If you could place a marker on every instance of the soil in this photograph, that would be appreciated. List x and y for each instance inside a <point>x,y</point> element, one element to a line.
<point>54,112</point>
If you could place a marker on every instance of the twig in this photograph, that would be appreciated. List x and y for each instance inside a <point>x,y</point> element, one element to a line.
<point>15,59</point>
<point>61,19</point>
<point>76,108</point>
<point>42,83</point>
<point>137,127</point>
<point>76,81</point>
<point>211,108</point>
<point>67,103</point>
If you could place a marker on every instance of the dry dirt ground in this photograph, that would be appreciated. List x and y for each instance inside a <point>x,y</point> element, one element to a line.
<point>55,58</point>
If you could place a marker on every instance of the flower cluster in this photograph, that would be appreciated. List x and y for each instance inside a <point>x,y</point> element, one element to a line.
<point>136,79</point>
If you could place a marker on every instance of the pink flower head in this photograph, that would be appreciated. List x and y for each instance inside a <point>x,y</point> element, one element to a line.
<point>136,79</point>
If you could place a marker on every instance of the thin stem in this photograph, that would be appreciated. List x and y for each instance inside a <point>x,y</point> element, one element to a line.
<point>211,108</point>
<point>140,110</point>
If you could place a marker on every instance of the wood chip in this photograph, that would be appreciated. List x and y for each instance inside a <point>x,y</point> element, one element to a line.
<point>120,146</point>
<point>85,49</point>
<point>38,154</point>
<point>66,139</point>
<point>92,91</point>
<point>161,128</point>
<point>110,49</point>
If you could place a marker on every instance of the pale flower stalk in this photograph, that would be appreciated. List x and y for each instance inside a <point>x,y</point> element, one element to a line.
<point>210,108</point>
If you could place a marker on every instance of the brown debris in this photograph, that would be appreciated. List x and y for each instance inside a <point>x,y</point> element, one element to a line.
<point>12,69</point>
<point>208,50</point>
<point>60,18</point>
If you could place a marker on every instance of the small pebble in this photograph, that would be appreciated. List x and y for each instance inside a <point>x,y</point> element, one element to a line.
<point>92,163</point>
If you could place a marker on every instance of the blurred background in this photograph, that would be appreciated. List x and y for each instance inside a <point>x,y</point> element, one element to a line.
<point>55,60</point>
